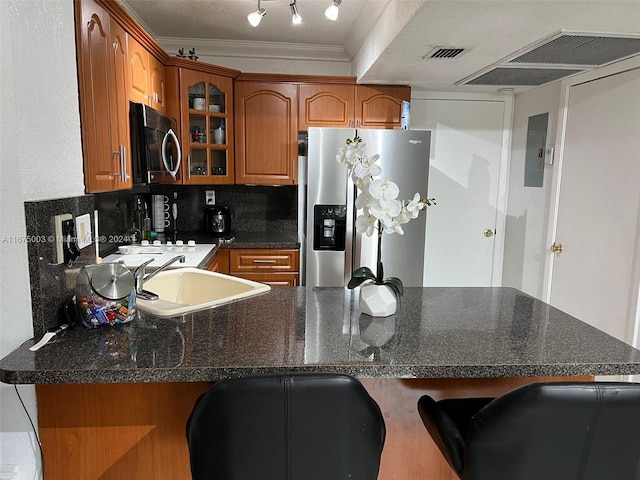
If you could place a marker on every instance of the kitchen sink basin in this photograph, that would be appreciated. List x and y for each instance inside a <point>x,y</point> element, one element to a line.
<point>185,290</point>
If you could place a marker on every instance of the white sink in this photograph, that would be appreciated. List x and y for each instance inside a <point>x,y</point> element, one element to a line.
<point>185,290</point>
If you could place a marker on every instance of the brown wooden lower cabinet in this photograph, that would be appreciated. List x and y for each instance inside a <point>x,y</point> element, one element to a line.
<point>137,430</point>
<point>277,267</point>
<point>220,262</point>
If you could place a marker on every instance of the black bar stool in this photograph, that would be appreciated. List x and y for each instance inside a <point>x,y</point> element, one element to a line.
<point>286,427</point>
<point>550,431</point>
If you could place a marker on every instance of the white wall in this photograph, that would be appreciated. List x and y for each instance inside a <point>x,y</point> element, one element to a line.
<point>40,158</point>
<point>528,207</point>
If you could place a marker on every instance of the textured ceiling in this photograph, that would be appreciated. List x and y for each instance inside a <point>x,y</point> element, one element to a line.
<point>492,32</point>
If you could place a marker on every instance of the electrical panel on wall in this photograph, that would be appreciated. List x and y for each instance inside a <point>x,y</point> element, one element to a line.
<point>536,150</point>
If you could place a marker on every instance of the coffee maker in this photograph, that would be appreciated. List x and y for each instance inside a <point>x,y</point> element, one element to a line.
<point>218,219</point>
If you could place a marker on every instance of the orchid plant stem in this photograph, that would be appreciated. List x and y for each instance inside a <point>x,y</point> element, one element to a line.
<point>380,270</point>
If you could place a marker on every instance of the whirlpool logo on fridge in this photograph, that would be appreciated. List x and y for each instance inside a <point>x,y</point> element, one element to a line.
<point>415,142</point>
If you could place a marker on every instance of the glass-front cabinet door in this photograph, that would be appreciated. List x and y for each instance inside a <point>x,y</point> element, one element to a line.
<point>207,128</point>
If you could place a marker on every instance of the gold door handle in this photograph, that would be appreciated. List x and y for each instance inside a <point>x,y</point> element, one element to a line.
<point>557,248</point>
<point>488,233</point>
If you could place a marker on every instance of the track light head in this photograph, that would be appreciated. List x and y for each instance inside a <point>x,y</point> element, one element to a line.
<point>296,19</point>
<point>333,10</point>
<point>255,17</point>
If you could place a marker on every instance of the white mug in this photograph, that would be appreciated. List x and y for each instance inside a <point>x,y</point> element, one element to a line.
<point>214,108</point>
<point>198,103</point>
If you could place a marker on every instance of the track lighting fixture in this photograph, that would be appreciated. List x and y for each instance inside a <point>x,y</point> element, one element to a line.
<point>332,12</point>
<point>295,16</point>
<point>255,17</point>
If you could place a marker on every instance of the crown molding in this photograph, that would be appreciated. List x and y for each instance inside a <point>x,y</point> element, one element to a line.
<point>250,49</point>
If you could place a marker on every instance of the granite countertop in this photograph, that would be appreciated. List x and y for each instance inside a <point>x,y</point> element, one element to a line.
<point>437,332</point>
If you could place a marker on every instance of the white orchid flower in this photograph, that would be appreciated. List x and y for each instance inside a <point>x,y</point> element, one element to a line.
<point>404,216</point>
<point>414,206</point>
<point>394,227</point>
<point>365,200</point>
<point>384,189</point>
<point>345,156</point>
<point>366,167</point>
<point>361,182</point>
<point>366,224</point>
<point>386,210</point>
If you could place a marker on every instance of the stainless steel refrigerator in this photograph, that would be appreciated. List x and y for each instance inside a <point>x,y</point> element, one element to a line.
<point>333,246</point>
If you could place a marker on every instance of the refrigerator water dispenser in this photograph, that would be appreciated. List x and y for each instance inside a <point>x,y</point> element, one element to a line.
<point>329,227</point>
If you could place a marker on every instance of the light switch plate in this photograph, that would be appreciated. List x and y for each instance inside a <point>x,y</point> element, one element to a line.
<point>83,230</point>
<point>210,197</point>
<point>548,155</point>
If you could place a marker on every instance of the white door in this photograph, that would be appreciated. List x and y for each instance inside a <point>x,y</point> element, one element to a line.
<point>595,277</point>
<point>465,229</point>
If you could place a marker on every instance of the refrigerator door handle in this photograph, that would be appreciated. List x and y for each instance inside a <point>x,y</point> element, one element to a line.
<point>351,249</point>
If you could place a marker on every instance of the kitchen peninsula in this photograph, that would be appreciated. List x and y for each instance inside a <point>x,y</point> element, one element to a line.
<point>113,402</point>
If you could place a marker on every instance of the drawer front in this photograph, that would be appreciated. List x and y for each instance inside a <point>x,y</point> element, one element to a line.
<point>274,279</point>
<point>258,260</point>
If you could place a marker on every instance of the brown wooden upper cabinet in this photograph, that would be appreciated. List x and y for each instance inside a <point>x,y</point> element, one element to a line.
<point>139,75</point>
<point>157,82</point>
<point>326,105</point>
<point>206,118</point>
<point>355,106</point>
<point>380,106</point>
<point>146,76</point>
<point>102,70</point>
<point>266,132</point>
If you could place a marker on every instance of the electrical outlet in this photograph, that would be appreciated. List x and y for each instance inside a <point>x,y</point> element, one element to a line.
<point>59,236</point>
<point>83,230</point>
<point>210,197</point>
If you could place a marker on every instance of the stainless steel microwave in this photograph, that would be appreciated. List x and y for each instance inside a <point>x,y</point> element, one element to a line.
<point>154,145</point>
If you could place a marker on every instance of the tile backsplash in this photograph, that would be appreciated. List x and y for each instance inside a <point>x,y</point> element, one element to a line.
<point>52,284</point>
<point>253,208</point>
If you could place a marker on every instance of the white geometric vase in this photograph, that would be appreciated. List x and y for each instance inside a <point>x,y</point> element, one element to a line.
<point>377,300</point>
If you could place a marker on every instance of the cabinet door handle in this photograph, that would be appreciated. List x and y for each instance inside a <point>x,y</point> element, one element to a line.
<point>123,164</point>
<point>351,123</point>
<point>118,174</point>
<point>189,166</point>
<point>255,260</point>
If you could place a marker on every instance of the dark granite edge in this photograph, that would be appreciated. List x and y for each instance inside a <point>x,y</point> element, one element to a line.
<point>210,256</point>
<point>196,374</point>
<point>258,244</point>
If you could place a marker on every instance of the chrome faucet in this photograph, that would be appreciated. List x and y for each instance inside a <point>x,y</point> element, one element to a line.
<point>139,277</point>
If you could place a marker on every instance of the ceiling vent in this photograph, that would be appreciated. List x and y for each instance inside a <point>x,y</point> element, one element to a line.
<point>530,77</point>
<point>587,50</point>
<point>556,57</point>
<point>444,52</point>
